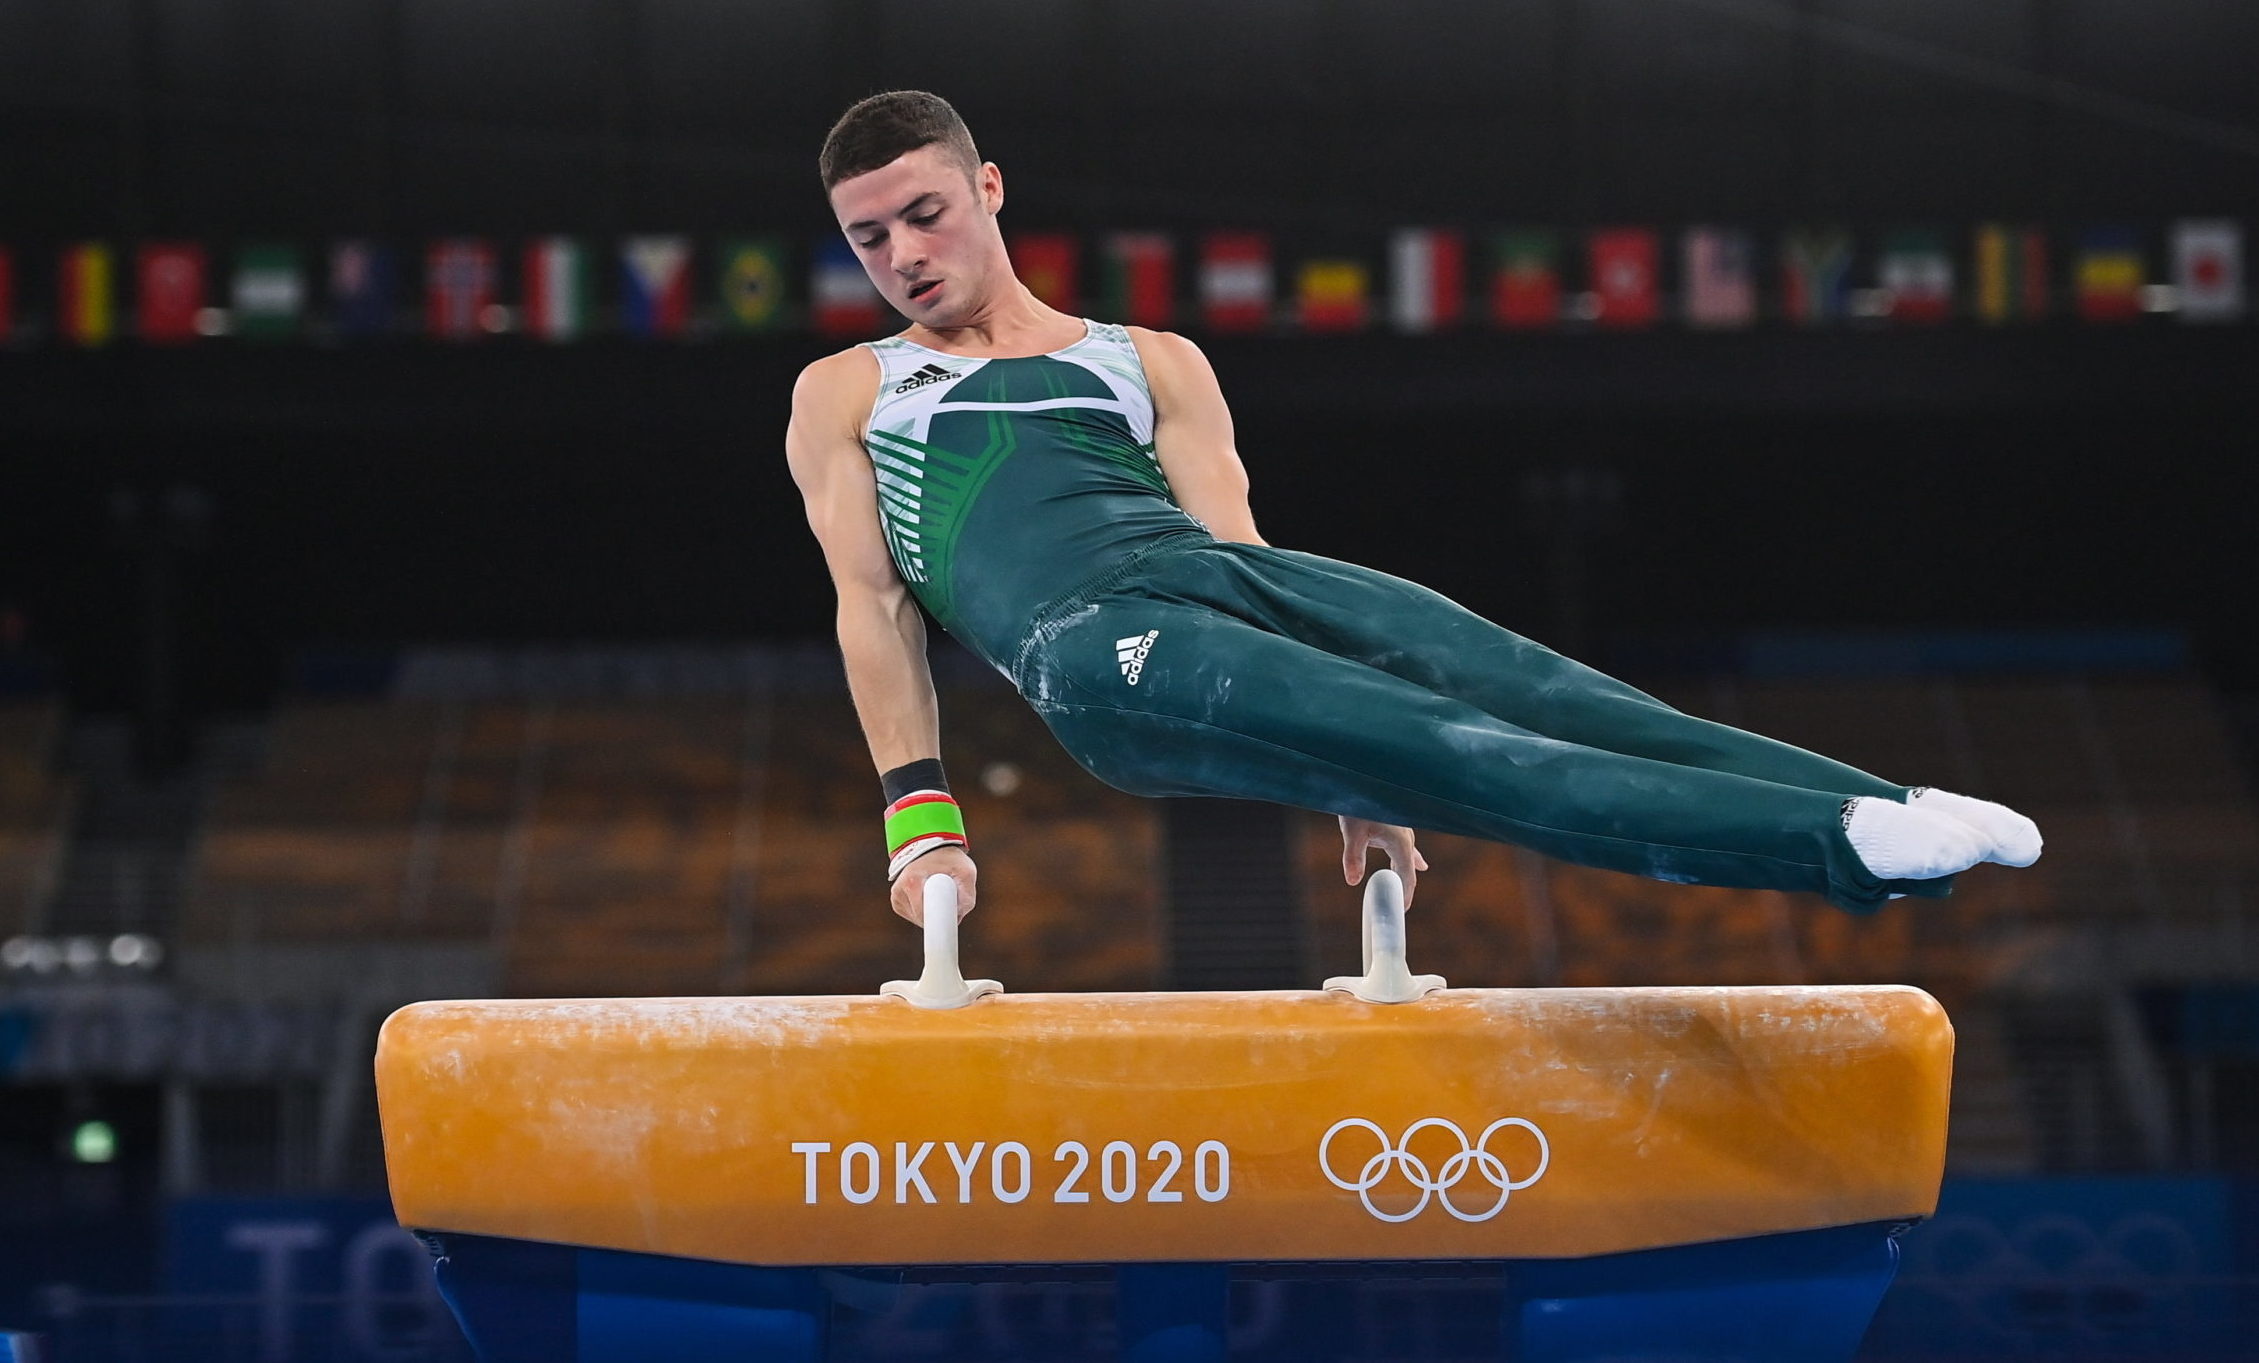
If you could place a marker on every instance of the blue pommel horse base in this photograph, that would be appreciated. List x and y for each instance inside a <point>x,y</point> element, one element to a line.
<point>1682,1174</point>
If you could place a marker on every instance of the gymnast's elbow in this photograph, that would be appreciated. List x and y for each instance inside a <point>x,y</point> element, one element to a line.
<point>878,610</point>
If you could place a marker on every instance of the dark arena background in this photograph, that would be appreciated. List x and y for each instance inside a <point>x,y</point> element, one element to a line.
<point>403,594</point>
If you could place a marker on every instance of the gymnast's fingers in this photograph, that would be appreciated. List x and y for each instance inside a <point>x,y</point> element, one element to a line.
<point>966,876</point>
<point>907,898</point>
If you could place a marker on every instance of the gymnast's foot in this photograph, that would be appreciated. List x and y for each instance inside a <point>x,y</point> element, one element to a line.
<point>2015,839</point>
<point>1901,842</point>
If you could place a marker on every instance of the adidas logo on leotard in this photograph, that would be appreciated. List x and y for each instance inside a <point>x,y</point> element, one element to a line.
<point>1130,653</point>
<point>932,373</point>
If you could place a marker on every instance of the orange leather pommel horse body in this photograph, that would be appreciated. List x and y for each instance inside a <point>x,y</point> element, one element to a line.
<point>1259,1127</point>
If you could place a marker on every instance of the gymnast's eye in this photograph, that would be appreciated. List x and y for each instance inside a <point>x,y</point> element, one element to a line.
<point>928,220</point>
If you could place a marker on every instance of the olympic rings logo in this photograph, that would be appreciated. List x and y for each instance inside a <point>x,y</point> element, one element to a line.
<point>1473,1155</point>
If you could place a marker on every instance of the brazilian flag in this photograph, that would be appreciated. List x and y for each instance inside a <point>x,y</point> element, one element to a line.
<point>751,284</point>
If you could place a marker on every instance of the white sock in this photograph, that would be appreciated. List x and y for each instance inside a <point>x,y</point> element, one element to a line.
<point>1900,842</point>
<point>2015,839</point>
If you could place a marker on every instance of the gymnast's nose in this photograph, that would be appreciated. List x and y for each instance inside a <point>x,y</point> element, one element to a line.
<point>909,257</point>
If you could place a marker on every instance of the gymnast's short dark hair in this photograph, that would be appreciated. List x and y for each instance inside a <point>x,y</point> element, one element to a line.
<point>876,130</point>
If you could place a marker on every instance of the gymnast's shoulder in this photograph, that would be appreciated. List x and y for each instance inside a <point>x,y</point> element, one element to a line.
<point>837,390</point>
<point>1173,364</point>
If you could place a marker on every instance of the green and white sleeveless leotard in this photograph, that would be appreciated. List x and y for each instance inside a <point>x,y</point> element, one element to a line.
<point>1005,483</point>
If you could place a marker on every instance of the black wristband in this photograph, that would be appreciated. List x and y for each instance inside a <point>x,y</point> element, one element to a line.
<point>923,774</point>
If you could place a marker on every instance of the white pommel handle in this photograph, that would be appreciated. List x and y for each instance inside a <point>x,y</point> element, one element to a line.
<point>942,985</point>
<point>1386,979</point>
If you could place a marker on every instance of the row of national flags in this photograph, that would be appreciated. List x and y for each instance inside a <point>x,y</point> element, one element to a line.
<point>563,288</point>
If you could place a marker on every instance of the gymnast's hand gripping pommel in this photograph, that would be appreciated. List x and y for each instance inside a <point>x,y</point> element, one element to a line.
<point>1386,979</point>
<point>942,984</point>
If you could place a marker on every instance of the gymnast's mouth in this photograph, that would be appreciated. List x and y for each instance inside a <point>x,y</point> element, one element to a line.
<point>921,290</point>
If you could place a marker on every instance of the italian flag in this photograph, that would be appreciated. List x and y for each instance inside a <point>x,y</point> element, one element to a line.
<point>1427,279</point>
<point>556,288</point>
<point>87,311</point>
<point>1140,286</point>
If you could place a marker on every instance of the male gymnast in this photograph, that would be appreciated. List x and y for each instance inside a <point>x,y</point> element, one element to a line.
<point>1064,497</point>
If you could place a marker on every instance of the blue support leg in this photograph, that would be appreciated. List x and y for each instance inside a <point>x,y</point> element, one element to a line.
<point>1172,1313</point>
<point>513,1298</point>
<point>661,1310</point>
<point>525,1302</point>
<point>1800,1298</point>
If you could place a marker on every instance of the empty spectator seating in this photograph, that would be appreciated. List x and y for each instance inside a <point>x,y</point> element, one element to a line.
<point>34,805</point>
<point>679,845</point>
<point>315,842</point>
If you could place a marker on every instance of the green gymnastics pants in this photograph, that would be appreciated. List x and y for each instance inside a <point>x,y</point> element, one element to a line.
<point>1208,667</point>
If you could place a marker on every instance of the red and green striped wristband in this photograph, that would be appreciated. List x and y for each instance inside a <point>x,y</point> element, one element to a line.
<point>919,822</point>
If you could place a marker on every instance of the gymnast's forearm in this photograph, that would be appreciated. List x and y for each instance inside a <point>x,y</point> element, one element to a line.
<point>882,641</point>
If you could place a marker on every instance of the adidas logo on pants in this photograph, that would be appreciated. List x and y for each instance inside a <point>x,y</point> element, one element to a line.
<point>1130,653</point>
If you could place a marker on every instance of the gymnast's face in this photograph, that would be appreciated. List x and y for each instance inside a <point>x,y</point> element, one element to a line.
<point>927,234</point>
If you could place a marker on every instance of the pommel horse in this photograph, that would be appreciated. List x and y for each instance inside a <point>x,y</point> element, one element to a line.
<point>1648,1173</point>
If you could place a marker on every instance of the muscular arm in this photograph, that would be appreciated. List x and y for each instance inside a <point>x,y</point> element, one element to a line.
<point>882,637</point>
<point>1192,435</point>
